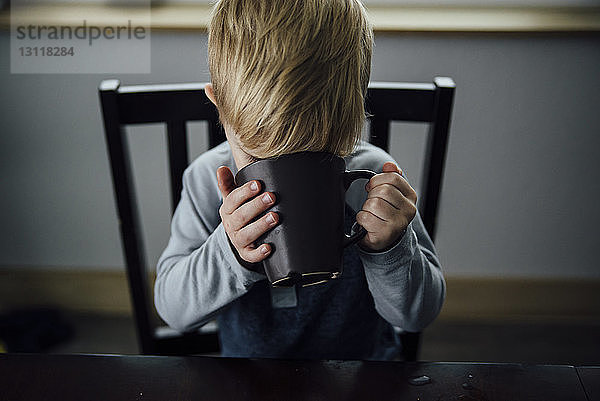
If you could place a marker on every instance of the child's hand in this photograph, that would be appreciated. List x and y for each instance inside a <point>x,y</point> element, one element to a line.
<point>240,207</point>
<point>388,210</point>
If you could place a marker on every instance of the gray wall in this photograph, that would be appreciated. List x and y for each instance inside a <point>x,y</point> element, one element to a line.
<point>521,183</point>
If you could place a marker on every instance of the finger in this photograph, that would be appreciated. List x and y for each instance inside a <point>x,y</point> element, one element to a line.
<point>396,180</point>
<point>225,181</point>
<point>240,195</point>
<point>253,231</point>
<point>370,222</point>
<point>248,211</point>
<point>390,167</point>
<point>381,208</point>
<point>256,255</point>
<point>379,232</point>
<point>389,193</point>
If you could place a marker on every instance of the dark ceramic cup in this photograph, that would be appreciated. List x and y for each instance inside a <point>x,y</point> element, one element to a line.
<point>309,240</point>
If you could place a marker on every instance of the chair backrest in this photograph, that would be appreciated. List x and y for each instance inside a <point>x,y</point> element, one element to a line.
<point>176,104</point>
<point>429,103</point>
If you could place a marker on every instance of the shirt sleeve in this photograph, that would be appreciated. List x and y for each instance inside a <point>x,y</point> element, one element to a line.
<point>406,281</point>
<point>198,273</point>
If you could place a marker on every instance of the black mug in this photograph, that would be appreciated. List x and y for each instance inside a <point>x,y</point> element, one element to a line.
<point>308,243</point>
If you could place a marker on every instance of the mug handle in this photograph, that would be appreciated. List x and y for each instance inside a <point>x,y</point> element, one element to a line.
<point>357,232</point>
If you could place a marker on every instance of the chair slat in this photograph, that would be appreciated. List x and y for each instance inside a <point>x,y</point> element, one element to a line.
<point>153,107</point>
<point>379,132</point>
<point>216,134</point>
<point>407,103</point>
<point>178,157</point>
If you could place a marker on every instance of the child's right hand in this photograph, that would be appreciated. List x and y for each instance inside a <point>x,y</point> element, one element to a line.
<point>240,207</point>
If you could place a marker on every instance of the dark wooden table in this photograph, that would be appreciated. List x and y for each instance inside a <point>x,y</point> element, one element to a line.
<point>103,377</point>
<point>590,378</point>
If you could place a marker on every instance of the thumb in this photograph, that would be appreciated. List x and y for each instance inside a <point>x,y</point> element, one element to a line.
<point>390,167</point>
<point>225,180</point>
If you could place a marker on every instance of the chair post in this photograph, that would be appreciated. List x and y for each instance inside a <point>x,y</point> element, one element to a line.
<point>411,345</point>
<point>128,218</point>
<point>436,151</point>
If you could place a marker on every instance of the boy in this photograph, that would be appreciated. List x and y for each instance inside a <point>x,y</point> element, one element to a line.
<point>291,76</point>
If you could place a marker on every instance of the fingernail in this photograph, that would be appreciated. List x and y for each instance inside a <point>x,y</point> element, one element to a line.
<point>264,250</point>
<point>254,186</point>
<point>267,199</point>
<point>270,219</point>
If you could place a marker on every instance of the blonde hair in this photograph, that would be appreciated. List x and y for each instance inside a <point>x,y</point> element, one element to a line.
<point>291,75</point>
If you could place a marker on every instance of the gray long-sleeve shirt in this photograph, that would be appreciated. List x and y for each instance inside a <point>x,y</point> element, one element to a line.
<point>199,278</point>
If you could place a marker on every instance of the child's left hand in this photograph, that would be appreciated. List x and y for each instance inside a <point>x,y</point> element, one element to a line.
<point>388,210</point>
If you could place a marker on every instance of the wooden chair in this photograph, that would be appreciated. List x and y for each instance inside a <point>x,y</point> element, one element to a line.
<point>174,105</point>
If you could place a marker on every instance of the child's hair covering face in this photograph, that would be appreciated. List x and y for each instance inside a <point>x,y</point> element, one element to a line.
<point>291,75</point>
